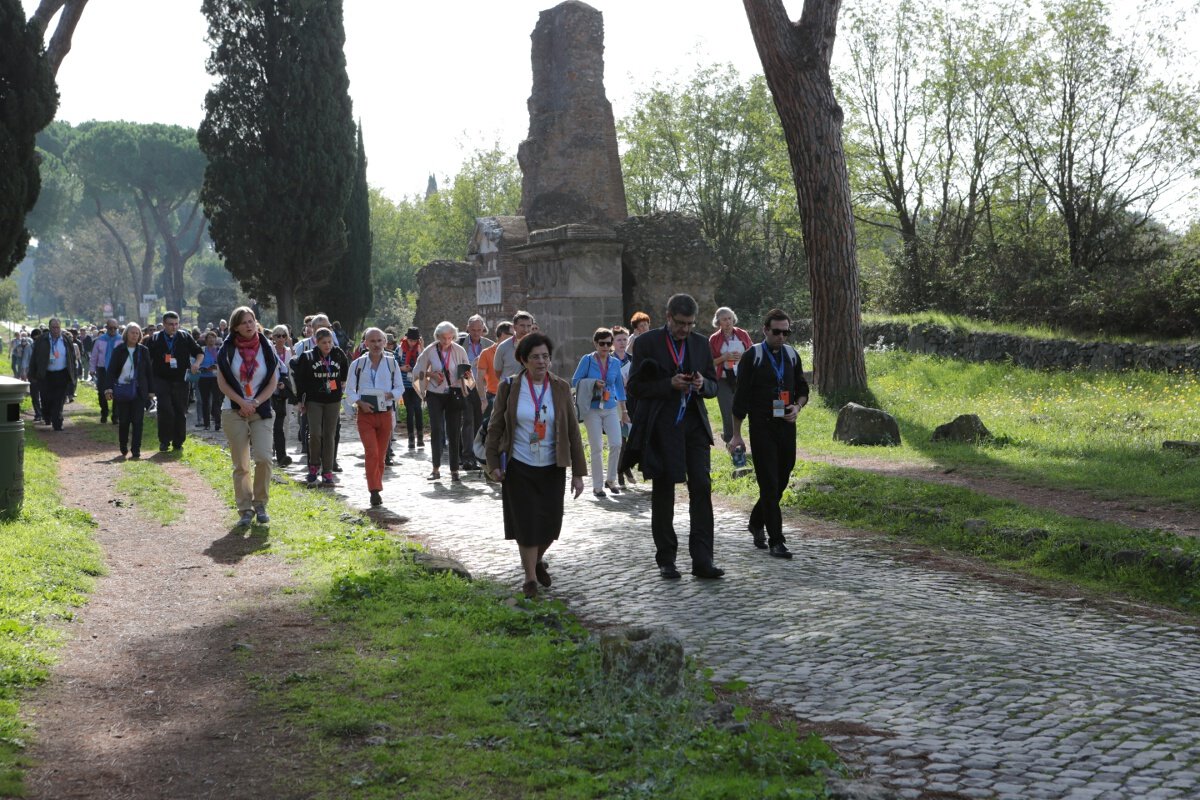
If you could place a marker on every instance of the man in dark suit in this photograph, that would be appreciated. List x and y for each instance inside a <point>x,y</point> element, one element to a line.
<point>173,353</point>
<point>52,366</point>
<point>671,374</point>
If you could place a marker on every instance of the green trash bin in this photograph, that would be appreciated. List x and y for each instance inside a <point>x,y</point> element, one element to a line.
<point>12,446</point>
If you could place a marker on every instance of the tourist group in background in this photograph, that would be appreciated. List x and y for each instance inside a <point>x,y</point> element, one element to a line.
<point>493,404</point>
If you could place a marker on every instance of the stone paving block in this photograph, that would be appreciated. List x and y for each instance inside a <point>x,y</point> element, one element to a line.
<point>948,664</point>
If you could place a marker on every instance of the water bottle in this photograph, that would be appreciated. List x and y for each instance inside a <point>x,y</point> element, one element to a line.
<point>739,457</point>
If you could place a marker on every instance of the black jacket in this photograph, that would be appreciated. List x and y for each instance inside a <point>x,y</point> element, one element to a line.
<point>266,352</point>
<point>655,441</point>
<point>182,346</point>
<point>311,377</point>
<point>758,385</point>
<point>141,369</point>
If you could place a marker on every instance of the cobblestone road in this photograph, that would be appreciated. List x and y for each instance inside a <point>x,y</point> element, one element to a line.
<point>974,690</point>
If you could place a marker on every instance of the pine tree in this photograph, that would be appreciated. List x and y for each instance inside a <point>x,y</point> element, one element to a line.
<point>28,101</point>
<point>349,297</point>
<point>279,135</point>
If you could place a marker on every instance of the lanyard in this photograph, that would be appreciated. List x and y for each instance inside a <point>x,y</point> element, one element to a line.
<point>778,368</point>
<point>474,349</point>
<point>170,343</point>
<point>678,357</point>
<point>444,362</point>
<point>54,346</point>
<point>537,399</point>
<point>603,369</point>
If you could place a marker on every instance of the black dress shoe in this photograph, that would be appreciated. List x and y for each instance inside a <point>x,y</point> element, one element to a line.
<point>760,537</point>
<point>543,576</point>
<point>669,572</point>
<point>706,571</point>
<point>376,499</point>
<point>780,551</point>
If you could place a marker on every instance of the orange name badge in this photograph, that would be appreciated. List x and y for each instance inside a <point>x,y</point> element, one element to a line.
<point>247,390</point>
<point>605,395</point>
<point>539,430</point>
<point>786,397</point>
<point>168,358</point>
<point>333,386</point>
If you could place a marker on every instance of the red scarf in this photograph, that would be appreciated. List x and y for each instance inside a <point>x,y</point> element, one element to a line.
<point>248,350</point>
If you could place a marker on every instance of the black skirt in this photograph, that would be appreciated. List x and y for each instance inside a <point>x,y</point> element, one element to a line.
<point>533,503</point>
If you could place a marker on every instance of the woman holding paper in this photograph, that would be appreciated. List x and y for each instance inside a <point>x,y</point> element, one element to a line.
<point>532,438</point>
<point>129,388</point>
<point>374,383</point>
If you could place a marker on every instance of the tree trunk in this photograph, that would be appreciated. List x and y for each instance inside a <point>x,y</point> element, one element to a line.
<point>795,59</point>
<point>60,42</point>
<point>285,304</point>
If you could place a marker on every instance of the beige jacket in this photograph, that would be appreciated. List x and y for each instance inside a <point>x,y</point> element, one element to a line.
<point>568,444</point>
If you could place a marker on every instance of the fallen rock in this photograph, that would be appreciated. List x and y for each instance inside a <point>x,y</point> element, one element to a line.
<point>866,426</point>
<point>975,526</point>
<point>651,657</point>
<point>1187,448</point>
<point>439,564</point>
<point>963,428</point>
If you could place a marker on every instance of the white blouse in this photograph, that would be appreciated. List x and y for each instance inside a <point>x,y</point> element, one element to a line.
<point>522,450</point>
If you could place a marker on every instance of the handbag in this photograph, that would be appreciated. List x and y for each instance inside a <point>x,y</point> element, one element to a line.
<point>125,392</point>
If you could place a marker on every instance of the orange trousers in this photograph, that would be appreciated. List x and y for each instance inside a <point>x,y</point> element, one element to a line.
<point>375,431</point>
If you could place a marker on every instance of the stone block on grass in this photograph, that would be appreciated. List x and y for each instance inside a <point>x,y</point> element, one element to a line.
<point>866,426</point>
<point>646,656</point>
<point>963,428</point>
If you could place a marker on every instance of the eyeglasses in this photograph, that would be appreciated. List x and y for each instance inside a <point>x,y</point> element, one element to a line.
<point>278,336</point>
<point>604,344</point>
<point>781,332</point>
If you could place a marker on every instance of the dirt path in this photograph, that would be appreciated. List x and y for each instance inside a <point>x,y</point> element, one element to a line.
<point>151,697</point>
<point>1073,502</point>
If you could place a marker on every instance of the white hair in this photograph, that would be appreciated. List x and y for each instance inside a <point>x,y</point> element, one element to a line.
<point>478,318</point>
<point>443,326</point>
<point>721,311</point>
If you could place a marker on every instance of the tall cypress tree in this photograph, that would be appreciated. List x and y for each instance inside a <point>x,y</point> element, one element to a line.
<point>349,297</point>
<point>28,101</point>
<point>279,135</point>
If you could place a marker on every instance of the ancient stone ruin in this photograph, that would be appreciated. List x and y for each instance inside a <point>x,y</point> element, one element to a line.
<point>573,258</point>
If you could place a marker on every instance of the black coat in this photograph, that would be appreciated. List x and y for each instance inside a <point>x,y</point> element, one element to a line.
<point>311,378</point>
<point>656,443</point>
<point>141,366</point>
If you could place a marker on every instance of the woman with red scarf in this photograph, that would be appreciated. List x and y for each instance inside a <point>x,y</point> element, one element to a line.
<point>247,372</point>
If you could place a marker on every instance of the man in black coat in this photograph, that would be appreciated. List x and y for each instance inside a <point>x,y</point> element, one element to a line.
<point>671,438</point>
<point>52,368</point>
<point>172,353</point>
<point>771,390</point>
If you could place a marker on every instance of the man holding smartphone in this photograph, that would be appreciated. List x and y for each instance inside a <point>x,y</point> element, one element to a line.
<point>771,391</point>
<point>671,438</point>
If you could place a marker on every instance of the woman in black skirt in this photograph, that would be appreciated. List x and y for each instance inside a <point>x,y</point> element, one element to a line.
<point>532,438</point>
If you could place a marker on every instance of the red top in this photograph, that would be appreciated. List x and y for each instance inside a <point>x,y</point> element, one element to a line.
<point>718,339</point>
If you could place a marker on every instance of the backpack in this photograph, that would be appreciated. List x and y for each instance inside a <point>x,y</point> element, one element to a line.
<point>787,348</point>
<point>391,370</point>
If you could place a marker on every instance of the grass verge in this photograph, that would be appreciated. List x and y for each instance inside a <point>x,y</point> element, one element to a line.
<point>150,488</point>
<point>1097,431</point>
<point>48,563</point>
<point>1146,565</point>
<point>436,687</point>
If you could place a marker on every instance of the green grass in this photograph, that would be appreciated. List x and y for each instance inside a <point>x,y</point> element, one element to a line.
<point>150,489</point>
<point>957,322</point>
<point>1093,430</point>
<point>1145,565</point>
<point>47,565</point>
<point>437,687</point>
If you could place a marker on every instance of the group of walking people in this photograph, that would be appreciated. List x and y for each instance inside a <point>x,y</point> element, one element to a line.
<point>498,402</point>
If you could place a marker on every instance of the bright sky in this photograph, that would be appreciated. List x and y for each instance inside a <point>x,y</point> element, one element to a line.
<point>431,82</point>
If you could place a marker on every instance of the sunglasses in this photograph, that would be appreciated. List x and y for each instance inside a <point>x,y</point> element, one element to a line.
<point>604,344</point>
<point>779,332</point>
<point>278,336</point>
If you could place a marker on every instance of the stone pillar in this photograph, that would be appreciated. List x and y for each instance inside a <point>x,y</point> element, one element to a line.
<point>446,291</point>
<point>573,275</point>
<point>571,168</point>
